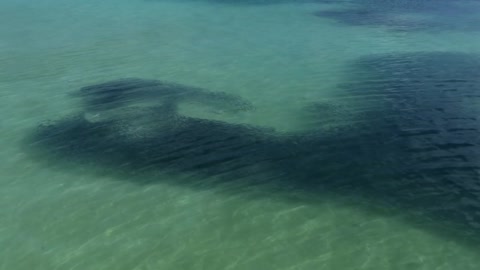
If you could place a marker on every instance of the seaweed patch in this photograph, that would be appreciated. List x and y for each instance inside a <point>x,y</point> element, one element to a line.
<point>416,149</point>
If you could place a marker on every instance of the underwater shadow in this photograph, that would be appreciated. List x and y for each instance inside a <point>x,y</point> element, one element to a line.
<point>253,2</point>
<point>414,152</point>
<point>408,15</point>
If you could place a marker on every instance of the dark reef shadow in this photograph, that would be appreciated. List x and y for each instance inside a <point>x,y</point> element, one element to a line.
<point>395,15</point>
<point>254,2</point>
<point>408,15</point>
<point>415,152</point>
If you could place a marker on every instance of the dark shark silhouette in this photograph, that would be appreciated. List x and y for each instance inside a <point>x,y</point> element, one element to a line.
<point>415,150</point>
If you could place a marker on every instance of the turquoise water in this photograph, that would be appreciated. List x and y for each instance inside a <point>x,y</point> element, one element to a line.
<point>372,163</point>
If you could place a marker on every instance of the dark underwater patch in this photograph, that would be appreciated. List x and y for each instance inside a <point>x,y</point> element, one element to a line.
<point>409,15</point>
<point>254,2</point>
<point>140,92</point>
<point>430,104</point>
<point>136,125</point>
<point>416,150</point>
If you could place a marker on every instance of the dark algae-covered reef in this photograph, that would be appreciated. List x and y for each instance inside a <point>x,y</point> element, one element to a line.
<point>415,150</point>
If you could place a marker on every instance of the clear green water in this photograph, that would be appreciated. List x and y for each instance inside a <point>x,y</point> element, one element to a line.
<point>278,56</point>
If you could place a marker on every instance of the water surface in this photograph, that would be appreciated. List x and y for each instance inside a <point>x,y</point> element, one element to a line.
<point>364,119</point>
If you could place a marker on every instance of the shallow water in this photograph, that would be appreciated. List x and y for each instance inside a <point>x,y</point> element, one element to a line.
<point>372,164</point>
